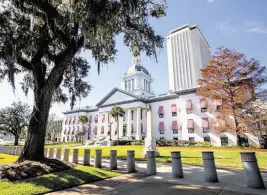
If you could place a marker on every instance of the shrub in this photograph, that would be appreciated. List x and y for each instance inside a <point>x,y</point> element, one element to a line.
<point>203,144</point>
<point>173,143</point>
<point>138,143</point>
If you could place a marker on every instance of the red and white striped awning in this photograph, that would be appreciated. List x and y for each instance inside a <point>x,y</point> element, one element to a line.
<point>161,126</point>
<point>190,124</point>
<point>95,130</point>
<point>205,123</point>
<point>102,129</point>
<point>69,132</point>
<point>203,103</point>
<point>96,118</point>
<point>173,108</point>
<point>161,110</point>
<point>69,120</point>
<point>174,125</point>
<point>189,105</point>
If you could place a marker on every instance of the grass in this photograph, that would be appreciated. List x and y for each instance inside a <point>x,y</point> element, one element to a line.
<point>56,181</point>
<point>64,144</point>
<point>5,159</point>
<point>224,157</point>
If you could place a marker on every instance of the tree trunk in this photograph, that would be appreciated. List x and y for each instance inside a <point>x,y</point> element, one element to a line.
<point>16,142</point>
<point>35,141</point>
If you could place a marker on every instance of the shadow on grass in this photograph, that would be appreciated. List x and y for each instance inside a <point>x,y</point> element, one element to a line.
<point>67,179</point>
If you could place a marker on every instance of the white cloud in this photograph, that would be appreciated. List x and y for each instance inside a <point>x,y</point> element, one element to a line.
<point>251,26</point>
<point>226,27</point>
<point>255,27</point>
<point>211,1</point>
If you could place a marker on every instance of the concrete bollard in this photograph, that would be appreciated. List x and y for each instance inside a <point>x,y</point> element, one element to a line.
<point>130,161</point>
<point>66,155</point>
<point>98,158</point>
<point>209,167</point>
<point>51,153</point>
<point>177,168</point>
<point>58,154</point>
<point>45,152</point>
<point>251,170</point>
<point>86,157</point>
<point>113,160</point>
<point>75,156</point>
<point>151,163</point>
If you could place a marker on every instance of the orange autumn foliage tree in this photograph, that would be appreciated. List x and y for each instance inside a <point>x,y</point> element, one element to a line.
<point>235,82</point>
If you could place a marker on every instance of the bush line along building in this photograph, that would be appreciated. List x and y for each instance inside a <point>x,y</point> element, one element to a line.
<point>177,115</point>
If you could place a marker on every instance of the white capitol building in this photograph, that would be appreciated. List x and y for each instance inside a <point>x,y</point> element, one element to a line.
<point>177,115</point>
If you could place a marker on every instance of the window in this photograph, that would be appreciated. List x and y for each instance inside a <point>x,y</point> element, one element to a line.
<point>204,109</point>
<point>189,107</point>
<point>206,130</point>
<point>175,138</point>
<point>161,115</point>
<point>125,85</point>
<point>132,129</point>
<point>188,111</point>
<point>161,132</point>
<point>161,138</point>
<point>224,141</point>
<point>124,130</point>
<point>174,113</point>
<point>123,116</point>
<point>141,113</point>
<point>129,85</point>
<point>191,139</point>
<point>132,114</point>
<point>205,125</point>
<point>133,87</point>
<point>190,125</point>
<point>175,131</point>
<point>190,130</point>
<point>206,139</point>
<point>142,128</point>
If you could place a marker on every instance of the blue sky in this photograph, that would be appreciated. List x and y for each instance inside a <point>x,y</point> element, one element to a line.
<point>236,24</point>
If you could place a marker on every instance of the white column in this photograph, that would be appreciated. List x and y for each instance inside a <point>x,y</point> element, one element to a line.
<point>138,125</point>
<point>129,133</point>
<point>150,141</point>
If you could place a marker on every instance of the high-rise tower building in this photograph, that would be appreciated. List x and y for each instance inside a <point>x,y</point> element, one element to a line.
<point>188,52</point>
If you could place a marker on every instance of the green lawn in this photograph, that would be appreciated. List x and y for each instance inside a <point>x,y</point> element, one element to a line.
<point>55,181</point>
<point>64,144</point>
<point>5,159</point>
<point>225,157</point>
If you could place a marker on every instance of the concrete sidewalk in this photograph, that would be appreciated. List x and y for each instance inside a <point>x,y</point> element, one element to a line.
<point>230,183</point>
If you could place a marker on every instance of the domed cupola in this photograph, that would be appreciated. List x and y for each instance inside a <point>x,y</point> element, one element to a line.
<point>137,79</point>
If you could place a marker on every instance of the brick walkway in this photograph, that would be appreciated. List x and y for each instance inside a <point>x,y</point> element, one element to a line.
<point>101,186</point>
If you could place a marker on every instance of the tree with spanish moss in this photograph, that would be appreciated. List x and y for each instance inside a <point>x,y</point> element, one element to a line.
<point>43,40</point>
<point>236,82</point>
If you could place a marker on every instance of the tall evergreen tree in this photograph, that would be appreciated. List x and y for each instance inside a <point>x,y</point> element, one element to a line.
<point>43,39</point>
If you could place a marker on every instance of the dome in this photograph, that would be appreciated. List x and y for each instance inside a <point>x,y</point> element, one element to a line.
<point>135,69</point>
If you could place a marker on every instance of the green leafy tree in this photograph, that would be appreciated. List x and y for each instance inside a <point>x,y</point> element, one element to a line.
<point>43,39</point>
<point>116,112</point>
<point>53,128</point>
<point>84,120</point>
<point>14,120</point>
